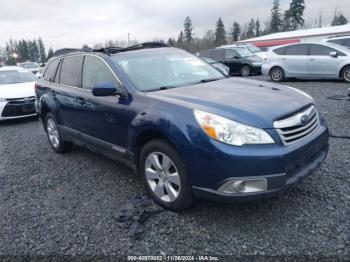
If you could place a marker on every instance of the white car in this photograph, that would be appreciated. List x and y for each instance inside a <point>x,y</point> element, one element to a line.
<point>308,60</point>
<point>30,66</point>
<point>17,93</point>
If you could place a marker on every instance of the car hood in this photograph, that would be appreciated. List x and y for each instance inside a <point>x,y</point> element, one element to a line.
<point>19,90</point>
<point>250,102</point>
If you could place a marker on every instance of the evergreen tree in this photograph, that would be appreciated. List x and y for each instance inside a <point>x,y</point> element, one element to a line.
<point>295,14</point>
<point>339,19</point>
<point>50,53</point>
<point>257,28</point>
<point>251,28</point>
<point>276,20</point>
<point>180,40</point>
<point>42,53</point>
<point>236,32</point>
<point>220,33</point>
<point>171,42</point>
<point>188,29</point>
<point>287,24</point>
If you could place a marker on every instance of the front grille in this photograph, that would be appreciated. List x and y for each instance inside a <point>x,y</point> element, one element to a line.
<point>298,126</point>
<point>21,101</point>
<point>19,107</point>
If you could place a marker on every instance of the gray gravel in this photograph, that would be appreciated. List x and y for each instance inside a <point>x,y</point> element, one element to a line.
<point>54,205</point>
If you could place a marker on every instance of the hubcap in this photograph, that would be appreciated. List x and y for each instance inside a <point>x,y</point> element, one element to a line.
<point>245,71</point>
<point>53,133</point>
<point>347,74</point>
<point>276,74</point>
<point>162,176</point>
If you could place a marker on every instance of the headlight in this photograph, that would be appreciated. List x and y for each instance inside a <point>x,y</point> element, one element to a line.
<point>231,132</point>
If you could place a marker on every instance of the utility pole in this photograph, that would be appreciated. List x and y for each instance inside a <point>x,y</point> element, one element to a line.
<point>129,39</point>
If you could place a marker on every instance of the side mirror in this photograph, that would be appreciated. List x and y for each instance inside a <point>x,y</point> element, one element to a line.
<point>104,89</point>
<point>236,57</point>
<point>333,54</point>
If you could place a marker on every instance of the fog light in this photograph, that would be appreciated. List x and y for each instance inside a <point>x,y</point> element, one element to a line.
<point>250,185</point>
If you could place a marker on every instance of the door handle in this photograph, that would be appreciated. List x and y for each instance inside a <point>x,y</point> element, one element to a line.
<point>80,100</point>
<point>312,59</point>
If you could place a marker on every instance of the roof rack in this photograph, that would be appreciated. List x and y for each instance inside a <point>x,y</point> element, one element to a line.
<point>110,50</point>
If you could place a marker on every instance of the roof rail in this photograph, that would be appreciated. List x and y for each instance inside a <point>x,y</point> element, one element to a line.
<point>335,36</point>
<point>65,51</point>
<point>144,46</point>
<point>110,50</point>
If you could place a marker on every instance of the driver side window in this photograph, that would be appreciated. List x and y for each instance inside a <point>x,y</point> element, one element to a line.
<point>230,54</point>
<point>95,71</point>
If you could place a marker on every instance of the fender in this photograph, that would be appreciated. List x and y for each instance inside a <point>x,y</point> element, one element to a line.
<point>46,101</point>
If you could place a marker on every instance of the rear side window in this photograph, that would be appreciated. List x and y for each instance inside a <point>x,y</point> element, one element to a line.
<point>217,54</point>
<point>95,72</point>
<point>338,41</point>
<point>297,50</point>
<point>280,51</point>
<point>51,70</point>
<point>71,71</point>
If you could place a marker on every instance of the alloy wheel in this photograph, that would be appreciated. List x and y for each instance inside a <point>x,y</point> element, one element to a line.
<point>52,132</point>
<point>276,74</point>
<point>162,176</point>
<point>347,74</point>
<point>245,71</point>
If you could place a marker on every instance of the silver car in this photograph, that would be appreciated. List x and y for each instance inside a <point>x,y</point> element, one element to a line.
<point>308,60</point>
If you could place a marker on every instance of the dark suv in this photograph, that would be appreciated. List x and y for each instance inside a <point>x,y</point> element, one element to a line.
<point>185,128</point>
<point>239,59</point>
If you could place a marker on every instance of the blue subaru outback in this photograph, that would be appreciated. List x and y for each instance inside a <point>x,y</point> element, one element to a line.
<point>184,127</point>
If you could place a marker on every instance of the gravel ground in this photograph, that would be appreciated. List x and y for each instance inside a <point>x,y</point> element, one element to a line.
<point>54,205</point>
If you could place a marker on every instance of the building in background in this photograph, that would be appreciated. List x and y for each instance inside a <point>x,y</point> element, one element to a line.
<point>299,36</point>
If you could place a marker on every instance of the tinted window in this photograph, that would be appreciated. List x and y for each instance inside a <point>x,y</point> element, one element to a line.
<point>320,50</point>
<point>217,54</point>
<point>51,70</point>
<point>71,71</point>
<point>338,41</point>
<point>280,51</point>
<point>347,42</point>
<point>230,54</point>
<point>297,50</point>
<point>95,71</point>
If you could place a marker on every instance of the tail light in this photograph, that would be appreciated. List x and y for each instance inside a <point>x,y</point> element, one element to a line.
<point>36,87</point>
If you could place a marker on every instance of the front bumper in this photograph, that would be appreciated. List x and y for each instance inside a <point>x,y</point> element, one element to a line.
<point>277,183</point>
<point>281,166</point>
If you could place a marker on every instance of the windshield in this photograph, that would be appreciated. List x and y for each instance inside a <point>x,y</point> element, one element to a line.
<point>29,65</point>
<point>15,76</point>
<point>244,52</point>
<point>164,68</point>
<point>253,49</point>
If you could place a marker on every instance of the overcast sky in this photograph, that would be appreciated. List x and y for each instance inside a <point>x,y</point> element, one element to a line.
<point>68,23</point>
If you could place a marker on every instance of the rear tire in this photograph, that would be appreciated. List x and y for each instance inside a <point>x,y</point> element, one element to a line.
<point>277,74</point>
<point>345,74</point>
<point>164,176</point>
<point>55,139</point>
<point>245,70</point>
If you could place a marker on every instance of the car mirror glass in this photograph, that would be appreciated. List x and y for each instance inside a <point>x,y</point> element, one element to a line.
<point>104,89</point>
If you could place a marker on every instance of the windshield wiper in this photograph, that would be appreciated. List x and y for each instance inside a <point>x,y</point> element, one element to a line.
<point>160,88</point>
<point>209,80</point>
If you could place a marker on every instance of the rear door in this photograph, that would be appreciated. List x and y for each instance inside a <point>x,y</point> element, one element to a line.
<point>68,90</point>
<point>321,64</point>
<point>295,60</point>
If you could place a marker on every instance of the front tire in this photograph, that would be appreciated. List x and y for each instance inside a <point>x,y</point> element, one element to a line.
<point>245,70</point>
<point>56,142</point>
<point>345,74</point>
<point>164,176</point>
<point>277,74</point>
